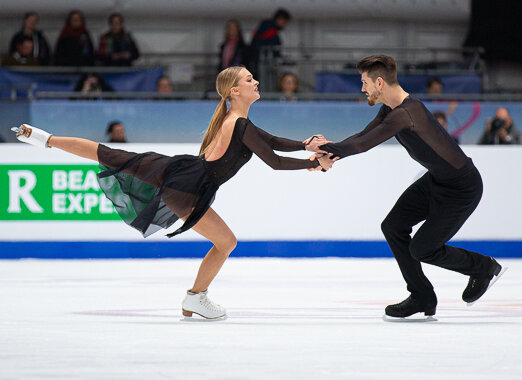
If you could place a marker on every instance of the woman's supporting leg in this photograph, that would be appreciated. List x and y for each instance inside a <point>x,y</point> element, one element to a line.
<point>80,147</point>
<point>212,227</point>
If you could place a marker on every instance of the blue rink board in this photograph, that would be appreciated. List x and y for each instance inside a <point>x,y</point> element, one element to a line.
<point>197,249</point>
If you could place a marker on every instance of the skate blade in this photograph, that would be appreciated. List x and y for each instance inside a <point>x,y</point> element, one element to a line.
<point>495,279</point>
<point>428,318</point>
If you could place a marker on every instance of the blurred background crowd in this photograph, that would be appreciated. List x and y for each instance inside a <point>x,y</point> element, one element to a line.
<point>448,51</point>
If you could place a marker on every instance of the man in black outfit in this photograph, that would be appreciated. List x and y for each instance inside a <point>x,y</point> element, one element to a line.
<point>444,197</point>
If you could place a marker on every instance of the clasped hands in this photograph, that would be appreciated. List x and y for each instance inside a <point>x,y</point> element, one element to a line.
<point>325,159</point>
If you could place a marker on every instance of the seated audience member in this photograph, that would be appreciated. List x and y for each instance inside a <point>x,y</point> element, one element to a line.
<point>443,121</point>
<point>74,45</point>
<point>92,84</point>
<point>288,85</point>
<point>41,49</point>
<point>163,85</point>
<point>116,132</point>
<point>233,51</point>
<point>500,130</point>
<point>117,47</point>
<point>23,55</point>
<point>435,88</point>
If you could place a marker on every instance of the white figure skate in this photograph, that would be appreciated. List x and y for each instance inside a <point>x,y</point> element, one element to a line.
<point>35,136</point>
<point>200,304</point>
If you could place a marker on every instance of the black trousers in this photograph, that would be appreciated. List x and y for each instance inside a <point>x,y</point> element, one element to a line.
<point>444,205</point>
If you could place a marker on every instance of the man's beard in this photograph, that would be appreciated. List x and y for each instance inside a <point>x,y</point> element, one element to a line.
<point>373,97</point>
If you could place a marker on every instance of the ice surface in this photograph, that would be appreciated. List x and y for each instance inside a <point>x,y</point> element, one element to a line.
<point>288,319</point>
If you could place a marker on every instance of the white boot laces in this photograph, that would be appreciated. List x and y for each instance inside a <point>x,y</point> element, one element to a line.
<point>208,304</point>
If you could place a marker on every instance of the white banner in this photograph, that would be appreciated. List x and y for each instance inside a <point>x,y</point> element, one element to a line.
<point>347,203</point>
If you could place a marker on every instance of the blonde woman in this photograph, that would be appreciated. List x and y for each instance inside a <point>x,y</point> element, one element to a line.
<point>151,191</point>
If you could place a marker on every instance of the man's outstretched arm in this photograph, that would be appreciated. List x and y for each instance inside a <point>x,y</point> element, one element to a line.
<point>374,134</point>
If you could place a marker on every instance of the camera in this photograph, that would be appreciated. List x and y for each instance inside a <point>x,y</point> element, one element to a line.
<point>496,124</point>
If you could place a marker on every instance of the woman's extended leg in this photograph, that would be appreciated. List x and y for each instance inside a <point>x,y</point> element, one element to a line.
<point>212,227</point>
<point>80,147</point>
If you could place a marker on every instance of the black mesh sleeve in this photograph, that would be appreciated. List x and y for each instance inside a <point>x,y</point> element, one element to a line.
<point>378,131</point>
<point>255,139</point>
<point>280,143</point>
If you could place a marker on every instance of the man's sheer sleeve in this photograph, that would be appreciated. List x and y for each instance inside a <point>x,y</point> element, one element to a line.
<point>279,143</point>
<point>374,134</point>
<point>255,141</point>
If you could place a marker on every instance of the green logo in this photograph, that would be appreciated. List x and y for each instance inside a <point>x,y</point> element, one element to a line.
<point>53,192</point>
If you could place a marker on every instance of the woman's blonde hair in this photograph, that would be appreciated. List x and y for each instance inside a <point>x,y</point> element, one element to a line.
<point>226,79</point>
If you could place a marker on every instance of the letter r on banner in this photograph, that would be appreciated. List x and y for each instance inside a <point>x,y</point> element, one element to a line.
<point>18,192</point>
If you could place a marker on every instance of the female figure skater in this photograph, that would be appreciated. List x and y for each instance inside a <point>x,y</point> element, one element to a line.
<point>152,191</point>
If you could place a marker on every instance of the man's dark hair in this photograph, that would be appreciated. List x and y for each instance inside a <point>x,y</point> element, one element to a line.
<point>282,13</point>
<point>379,65</point>
<point>440,114</point>
<point>113,15</point>
<point>21,39</point>
<point>29,14</point>
<point>432,80</point>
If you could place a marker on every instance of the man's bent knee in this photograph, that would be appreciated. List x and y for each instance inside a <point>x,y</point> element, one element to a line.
<point>421,252</point>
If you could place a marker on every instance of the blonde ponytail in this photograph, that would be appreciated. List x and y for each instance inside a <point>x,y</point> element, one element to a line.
<point>226,79</point>
<point>215,125</point>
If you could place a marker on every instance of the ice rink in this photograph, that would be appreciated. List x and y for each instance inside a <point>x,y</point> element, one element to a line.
<point>288,319</point>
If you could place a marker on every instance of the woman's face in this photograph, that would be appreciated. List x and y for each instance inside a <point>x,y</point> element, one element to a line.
<point>164,86</point>
<point>31,22</point>
<point>118,133</point>
<point>76,20</point>
<point>247,87</point>
<point>289,84</point>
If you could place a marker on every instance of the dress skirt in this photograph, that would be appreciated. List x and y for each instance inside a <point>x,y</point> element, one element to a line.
<point>151,191</point>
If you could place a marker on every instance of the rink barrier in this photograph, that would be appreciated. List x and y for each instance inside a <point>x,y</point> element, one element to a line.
<point>197,249</point>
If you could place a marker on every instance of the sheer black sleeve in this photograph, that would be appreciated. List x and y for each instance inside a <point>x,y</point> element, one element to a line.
<point>279,143</point>
<point>254,139</point>
<point>378,131</point>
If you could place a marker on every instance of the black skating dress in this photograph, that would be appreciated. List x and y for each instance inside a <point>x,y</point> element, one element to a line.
<point>151,191</point>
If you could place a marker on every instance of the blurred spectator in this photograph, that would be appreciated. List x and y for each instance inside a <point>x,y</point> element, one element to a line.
<point>117,47</point>
<point>164,85</point>
<point>288,85</point>
<point>23,55</point>
<point>434,86</point>
<point>443,121</point>
<point>92,84</point>
<point>233,51</point>
<point>74,45</point>
<point>267,35</point>
<point>500,130</point>
<point>41,49</point>
<point>116,132</point>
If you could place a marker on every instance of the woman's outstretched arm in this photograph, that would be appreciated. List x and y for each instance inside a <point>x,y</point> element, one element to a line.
<point>77,146</point>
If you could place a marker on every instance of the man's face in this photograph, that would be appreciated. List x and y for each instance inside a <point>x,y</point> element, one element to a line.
<point>116,25</point>
<point>371,89</point>
<point>503,114</point>
<point>281,22</point>
<point>26,48</point>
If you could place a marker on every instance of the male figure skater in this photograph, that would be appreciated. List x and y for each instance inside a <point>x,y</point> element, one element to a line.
<point>444,197</point>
